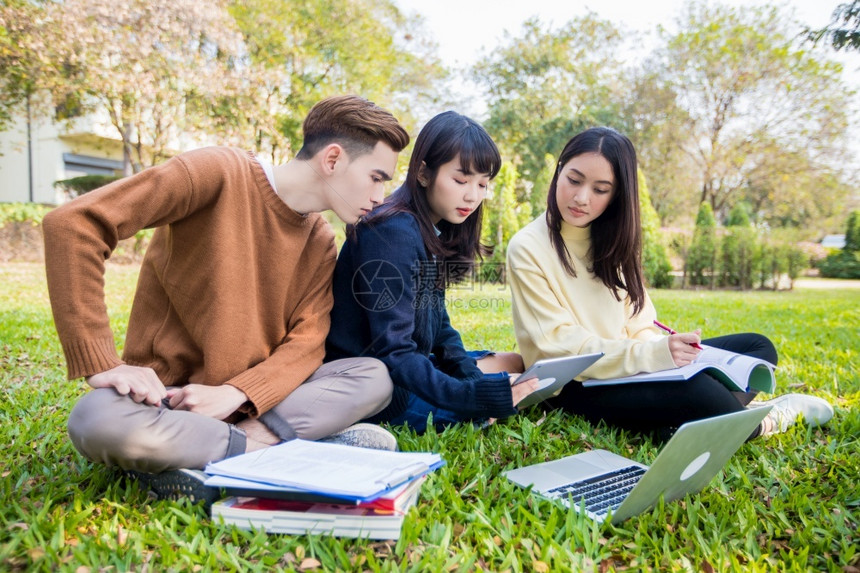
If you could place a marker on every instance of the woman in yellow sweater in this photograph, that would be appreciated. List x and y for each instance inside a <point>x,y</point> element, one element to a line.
<point>577,285</point>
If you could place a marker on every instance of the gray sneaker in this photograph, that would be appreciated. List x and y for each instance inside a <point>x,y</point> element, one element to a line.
<point>364,436</point>
<point>815,411</point>
<point>178,484</point>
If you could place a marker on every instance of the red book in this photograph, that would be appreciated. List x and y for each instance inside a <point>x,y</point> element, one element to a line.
<point>381,518</point>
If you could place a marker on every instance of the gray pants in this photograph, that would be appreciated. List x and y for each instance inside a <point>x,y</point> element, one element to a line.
<point>113,429</point>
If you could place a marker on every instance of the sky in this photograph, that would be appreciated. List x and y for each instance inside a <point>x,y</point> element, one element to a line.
<point>466,29</point>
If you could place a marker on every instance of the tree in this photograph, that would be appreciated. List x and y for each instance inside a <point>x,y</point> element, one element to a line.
<point>845,264</point>
<point>702,255</point>
<point>23,61</point>
<point>503,216</point>
<point>792,188</point>
<point>299,51</point>
<point>852,233</point>
<point>540,186</point>
<point>546,85</point>
<point>655,119</point>
<point>655,259</point>
<point>166,74</point>
<point>844,28</point>
<point>739,216</point>
<point>738,249</point>
<point>151,66</point>
<point>760,118</point>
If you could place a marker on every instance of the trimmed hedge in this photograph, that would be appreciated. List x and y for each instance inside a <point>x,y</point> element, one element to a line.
<point>84,184</point>
<point>845,264</point>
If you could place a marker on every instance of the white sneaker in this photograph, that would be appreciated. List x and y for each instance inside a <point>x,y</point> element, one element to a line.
<point>364,436</point>
<point>814,410</point>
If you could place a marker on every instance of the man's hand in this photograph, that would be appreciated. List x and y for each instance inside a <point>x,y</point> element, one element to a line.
<point>214,401</point>
<point>139,383</point>
<point>522,389</point>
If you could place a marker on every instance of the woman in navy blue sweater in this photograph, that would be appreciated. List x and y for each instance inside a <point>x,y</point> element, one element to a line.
<point>390,279</point>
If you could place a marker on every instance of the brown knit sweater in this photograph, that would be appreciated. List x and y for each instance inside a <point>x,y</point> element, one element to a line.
<point>234,288</point>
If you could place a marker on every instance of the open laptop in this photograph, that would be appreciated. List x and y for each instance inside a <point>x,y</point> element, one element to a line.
<point>553,374</point>
<point>605,482</point>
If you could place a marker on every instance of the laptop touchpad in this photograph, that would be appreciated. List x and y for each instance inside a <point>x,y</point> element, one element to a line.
<point>571,470</point>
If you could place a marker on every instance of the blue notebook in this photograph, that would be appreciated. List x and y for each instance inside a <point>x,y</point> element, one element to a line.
<point>346,472</point>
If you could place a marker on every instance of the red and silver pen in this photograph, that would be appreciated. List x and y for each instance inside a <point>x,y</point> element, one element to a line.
<point>662,326</point>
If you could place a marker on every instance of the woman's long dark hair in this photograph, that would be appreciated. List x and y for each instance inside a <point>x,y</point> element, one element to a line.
<point>616,235</point>
<point>446,136</point>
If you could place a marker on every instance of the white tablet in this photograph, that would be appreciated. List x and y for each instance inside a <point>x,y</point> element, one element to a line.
<point>553,374</point>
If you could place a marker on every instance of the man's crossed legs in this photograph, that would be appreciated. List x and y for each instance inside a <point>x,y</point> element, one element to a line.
<point>113,429</point>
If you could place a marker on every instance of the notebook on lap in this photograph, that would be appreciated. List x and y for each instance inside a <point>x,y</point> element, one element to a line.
<point>606,482</point>
<point>553,374</point>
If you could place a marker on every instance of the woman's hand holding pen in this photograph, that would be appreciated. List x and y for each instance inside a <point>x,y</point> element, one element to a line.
<point>685,347</point>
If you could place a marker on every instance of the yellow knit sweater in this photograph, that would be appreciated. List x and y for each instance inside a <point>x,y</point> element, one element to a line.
<point>556,314</point>
<point>234,288</point>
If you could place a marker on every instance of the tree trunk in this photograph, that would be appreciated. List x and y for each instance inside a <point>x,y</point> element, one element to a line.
<point>127,167</point>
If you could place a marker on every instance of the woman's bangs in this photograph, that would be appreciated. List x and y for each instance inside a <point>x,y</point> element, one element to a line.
<point>479,154</point>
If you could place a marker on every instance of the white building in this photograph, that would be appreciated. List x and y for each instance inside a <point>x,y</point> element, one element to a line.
<point>37,152</point>
<point>833,241</point>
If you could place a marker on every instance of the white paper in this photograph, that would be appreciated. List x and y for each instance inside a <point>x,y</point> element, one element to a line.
<point>327,468</point>
<point>731,368</point>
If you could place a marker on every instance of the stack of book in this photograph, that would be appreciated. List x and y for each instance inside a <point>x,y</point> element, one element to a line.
<point>381,518</point>
<point>312,487</point>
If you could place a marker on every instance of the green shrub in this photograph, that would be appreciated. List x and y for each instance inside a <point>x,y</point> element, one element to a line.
<point>852,232</point>
<point>84,184</point>
<point>845,264</point>
<point>656,266</point>
<point>778,260</point>
<point>702,255</point>
<point>739,216</point>
<point>503,217</point>
<point>841,265</point>
<point>22,213</point>
<point>33,213</point>
<point>655,258</point>
<point>798,261</point>
<point>765,258</point>
<point>749,259</point>
<point>738,257</point>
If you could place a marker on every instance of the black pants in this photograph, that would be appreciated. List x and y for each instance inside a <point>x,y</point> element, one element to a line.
<point>664,406</point>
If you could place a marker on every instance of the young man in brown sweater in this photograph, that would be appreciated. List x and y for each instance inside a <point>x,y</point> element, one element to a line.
<point>225,340</point>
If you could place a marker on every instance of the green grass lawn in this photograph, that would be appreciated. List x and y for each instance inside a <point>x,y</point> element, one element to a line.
<point>790,502</point>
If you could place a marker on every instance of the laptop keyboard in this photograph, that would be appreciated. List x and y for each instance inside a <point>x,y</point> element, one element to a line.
<point>600,493</point>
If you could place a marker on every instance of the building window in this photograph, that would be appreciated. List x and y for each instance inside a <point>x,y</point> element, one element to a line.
<point>78,165</point>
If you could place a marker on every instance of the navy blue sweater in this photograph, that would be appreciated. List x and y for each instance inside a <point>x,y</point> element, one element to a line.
<point>387,305</point>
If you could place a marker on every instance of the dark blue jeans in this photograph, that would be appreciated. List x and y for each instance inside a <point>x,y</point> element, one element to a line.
<point>417,409</point>
<point>664,406</point>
